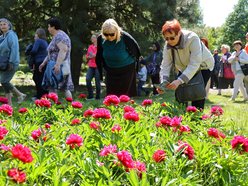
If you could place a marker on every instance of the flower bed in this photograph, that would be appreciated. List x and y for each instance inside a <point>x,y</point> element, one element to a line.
<point>118,142</point>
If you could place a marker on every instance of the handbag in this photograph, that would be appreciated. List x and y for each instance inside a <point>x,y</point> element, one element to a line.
<point>193,90</point>
<point>4,61</point>
<point>228,73</point>
<point>244,69</point>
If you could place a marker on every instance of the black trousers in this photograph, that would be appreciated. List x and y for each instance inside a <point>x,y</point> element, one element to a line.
<point>38,77</point>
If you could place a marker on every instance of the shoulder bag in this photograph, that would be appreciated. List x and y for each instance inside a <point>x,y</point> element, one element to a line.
<point>193,90</point>
<point>4,61</point>
<point>244,68</point>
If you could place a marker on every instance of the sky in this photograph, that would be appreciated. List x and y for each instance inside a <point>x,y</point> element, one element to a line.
<point>216,11</point>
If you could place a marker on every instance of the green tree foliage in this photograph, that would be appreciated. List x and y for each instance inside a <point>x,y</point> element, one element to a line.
<point>141,18</point>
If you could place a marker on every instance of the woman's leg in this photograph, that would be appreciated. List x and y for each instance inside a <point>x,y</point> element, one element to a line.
<point>89,77</point>
<point>237,83</point>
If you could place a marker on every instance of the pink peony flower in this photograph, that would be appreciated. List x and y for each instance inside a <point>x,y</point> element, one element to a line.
<point>147,102</point>
<point>17,175</point>
<point>140,167</point>
<point>47,126</point>
<point>124,99</point>
<point>133,116</point>
<point>37,133</point>
<point>126,159</point>
<point>159,156</point>
<point>76,104</point>
<point>101,113</point>
<point>213,132</point>
<point>108,150</point>
<point>116,128</point>
<point>4,100</point>
<point>82,96</point>
<point>158,124</point>
<point>75,121</point>
<point>205,117</point>
<point>3,132</point>
<point>184,128</point>
<point>23,110</point>
<point>191,109</point>
<point>69,99</point>
<point>165,120</point>
<point>95,125</point>
<point>6,109</point>
<point>217,111</point>
<point>53,96</point>
<point>188,150</point>
<point>74,140</point>
<point>22,153</point>
<point>176,121</point>
<point>111,100</point>
<point>128,108</point>
<point>240,143</point>
<point>88,113</point>
<point>43,103</point>
<point>4,147</point>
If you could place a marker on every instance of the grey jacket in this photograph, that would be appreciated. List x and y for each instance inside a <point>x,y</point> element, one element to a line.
<point>190,56</point>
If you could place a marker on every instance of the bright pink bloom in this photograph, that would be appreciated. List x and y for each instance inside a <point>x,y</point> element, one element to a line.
<point>88,113</point>
<point>205,117</point>
<point>22,153</point>
<point>95,125</point>
<point>165,120</point>
<point>128,108</point>
<point>111,100</point>
<point>69,99</point>
<point>82,96</point>
<point>184,128</point>
<point>213,132</point>
<point>37,133</point>
<point>140,167</point>
<point>4,147</point>
<point>23,110</point>
<point>47,126</point>
<point>159,156</point>
<point>53,96</point>
<point>126,159</point>
<point>124,99</point>
<point>17,175</point>
<point>7,109</point>
<point>76,104</point>
<point>75,121</point>
<point>158,124</point>
<point>147,102</point>
<point>191,109</point>
<point>4,100</point>
<point>74,140</point>
<point>188,150</point>
<point>43,103</point>
<point>3,132</point>
<point>108,150</point>
<point>176,121</point>
<point>116,128</point>
<point>101,113</point>
<point>240,143</point>
<point>217,110</point>
<point>133,116</point>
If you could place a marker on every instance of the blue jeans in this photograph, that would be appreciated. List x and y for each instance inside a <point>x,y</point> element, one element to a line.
<point>93,72</point>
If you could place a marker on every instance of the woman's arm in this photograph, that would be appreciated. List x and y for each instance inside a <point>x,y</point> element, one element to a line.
<point>63,48</point>
<point>232,58</point>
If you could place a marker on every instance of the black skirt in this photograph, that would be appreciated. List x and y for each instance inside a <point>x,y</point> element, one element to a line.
<point>225,83</point>
<point>121,81</point>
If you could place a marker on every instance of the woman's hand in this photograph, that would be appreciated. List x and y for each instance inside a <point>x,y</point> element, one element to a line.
<point>41,66</point>
<point>56,68</point>
<point>174,84</point>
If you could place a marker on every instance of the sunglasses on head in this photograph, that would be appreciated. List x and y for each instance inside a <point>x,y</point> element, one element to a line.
<point>170,38</point>
<point>110,34</point>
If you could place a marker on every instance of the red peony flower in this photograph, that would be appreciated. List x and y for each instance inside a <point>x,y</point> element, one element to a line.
<point>53,96</point>
<point>82,96</point>
<point>240,143</point>
<point>191,109</point>
<point>217,111</point>
<point>88,113</point>
<point>3,132</point>
<point>213,132</point>
<point>126,159</point>
<point>74,140</point>
<point>101,113</point>
<point>111,100</point>
<point>140,167</point>
<point>147,102</point>
<point>43,103</point>
<point>17,175</point>
<point>124,99</point>
<point>95,125</point>
<point>176,121</point>
<point>158,124</point>
<point>165,120</point>
<point>37,133</point>
<point>163,104</point>
<point>7,109</point>
<point>116,128</point>
<point>128,108</point>
<point>47,126</point>
<point>159,156</point>
<point>23,110</point>
<point>4,100</point>
<point>75,121</point>
<point>76,104</point>
<point>188,150</point>
<point>133,116</point>
<point>69,99</point>
<point>22,153</point>
<point>184,128</point>
<point>205,117</point>
<point>108,150</point>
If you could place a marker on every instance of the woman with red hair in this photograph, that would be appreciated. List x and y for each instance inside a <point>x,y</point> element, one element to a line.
<point>190,56</point>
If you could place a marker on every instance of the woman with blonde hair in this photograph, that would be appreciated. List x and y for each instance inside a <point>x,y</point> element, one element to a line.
<point>118,53</point>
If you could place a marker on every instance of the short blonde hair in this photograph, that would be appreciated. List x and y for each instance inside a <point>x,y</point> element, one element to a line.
<point>111,24</point>
<point>227,47</point>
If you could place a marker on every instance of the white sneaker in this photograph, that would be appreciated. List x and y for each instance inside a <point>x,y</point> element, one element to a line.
<point>21,98</point>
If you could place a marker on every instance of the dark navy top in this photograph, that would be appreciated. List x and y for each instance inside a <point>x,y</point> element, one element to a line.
<point>39,50</point>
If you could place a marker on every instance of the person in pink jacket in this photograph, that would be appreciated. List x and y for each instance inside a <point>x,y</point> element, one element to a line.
<point>92,69</point>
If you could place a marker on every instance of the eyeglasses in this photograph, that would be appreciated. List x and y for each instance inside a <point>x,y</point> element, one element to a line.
<point>110,34</point>
<point>170,38</point>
